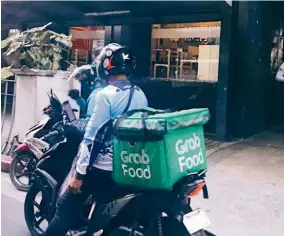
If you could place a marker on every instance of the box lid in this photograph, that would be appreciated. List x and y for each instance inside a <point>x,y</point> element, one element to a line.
<point>163,121</point>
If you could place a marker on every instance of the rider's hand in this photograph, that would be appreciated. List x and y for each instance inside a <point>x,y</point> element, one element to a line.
<point>75,185</point>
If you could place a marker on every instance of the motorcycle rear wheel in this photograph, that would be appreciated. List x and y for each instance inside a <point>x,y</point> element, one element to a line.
<point>22,165</point>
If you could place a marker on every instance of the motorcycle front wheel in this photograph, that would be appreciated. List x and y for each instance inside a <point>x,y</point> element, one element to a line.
<point>21,167</point>
<point>36,211</point>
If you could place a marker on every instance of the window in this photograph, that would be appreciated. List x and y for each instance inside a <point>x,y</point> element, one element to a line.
<point>187,51</point>
<point>86,40</point>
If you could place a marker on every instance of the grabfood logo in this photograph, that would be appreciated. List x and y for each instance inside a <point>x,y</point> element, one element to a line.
<point>183,147</point>
<point>139,159</point>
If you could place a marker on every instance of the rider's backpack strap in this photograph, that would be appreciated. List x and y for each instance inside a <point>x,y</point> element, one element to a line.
<point>132,90</point>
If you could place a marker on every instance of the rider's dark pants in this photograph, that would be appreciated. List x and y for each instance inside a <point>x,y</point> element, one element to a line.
<point>96,182</point>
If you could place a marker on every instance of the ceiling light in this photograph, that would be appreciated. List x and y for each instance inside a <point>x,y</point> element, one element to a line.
<point>107,13</point>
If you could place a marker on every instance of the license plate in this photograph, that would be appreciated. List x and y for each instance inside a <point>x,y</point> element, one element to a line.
<point>195,221</point>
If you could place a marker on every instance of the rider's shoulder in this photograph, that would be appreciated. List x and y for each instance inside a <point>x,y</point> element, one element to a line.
<point>107,91</point>
<point>111,90</point>
<point>108,88</point>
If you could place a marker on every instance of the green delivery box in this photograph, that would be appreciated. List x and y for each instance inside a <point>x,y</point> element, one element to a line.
<point>154,149</point>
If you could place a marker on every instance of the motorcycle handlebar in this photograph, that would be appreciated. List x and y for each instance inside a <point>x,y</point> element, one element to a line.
<point>54,137</point>
<point>51,134</point>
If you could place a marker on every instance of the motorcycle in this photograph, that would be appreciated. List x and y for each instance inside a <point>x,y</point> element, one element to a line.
<point>123,212</point>
<point>54,166</point>
<point>52,114</point>
<point>27,154</point>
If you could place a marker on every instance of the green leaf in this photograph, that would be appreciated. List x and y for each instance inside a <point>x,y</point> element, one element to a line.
<point>39,47</point>
<point>55,65</point>
<point>38,29</point>
<point>31,53</point>
<point>6,73</point>
<point>63,41</point>
<point>52,36</point>
<point>4,44</point>
<point>23,55</point>
<point>50,51</point>
<point>44,61</point>
<point>57,56</point>
<point>14,46</point>
<point>48,65</point>
<point>56,48</point>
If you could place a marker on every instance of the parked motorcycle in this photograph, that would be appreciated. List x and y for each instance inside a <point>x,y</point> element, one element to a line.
<point>54,166</point>
<point>125,212</point>
<point>52,114</point>
<point>37,142</point>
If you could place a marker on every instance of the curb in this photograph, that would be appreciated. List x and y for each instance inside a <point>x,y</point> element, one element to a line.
<point>5,163</point>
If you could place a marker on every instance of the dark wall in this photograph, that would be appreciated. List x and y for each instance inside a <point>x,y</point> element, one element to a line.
<point>140,43</point>
<point>138,38</point>
<point>245,87</point>
<point>224,90</point>
<point>4,34</point>
<point>166,94</point>
<point>251,67</point>
<point>256,94</point>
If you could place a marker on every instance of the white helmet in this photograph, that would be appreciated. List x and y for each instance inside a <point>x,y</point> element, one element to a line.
<point>82,73</point>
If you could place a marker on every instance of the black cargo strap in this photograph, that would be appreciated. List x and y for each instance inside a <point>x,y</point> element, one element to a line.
<point>132,90</point>
<point>125,111</point>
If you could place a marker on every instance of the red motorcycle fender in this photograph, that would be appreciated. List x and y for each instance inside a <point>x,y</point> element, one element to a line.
<point>22,147</point>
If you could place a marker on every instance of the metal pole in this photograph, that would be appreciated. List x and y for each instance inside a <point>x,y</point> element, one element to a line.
<point>13,110</point>
<point>5,103</point>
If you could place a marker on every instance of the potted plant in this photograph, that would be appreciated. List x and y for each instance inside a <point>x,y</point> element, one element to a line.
<point>38,59</point>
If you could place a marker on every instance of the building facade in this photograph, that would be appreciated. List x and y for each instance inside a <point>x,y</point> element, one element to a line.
<point>221,55</point>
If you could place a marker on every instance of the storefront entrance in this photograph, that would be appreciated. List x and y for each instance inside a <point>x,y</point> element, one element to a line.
<point>182,48</point>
